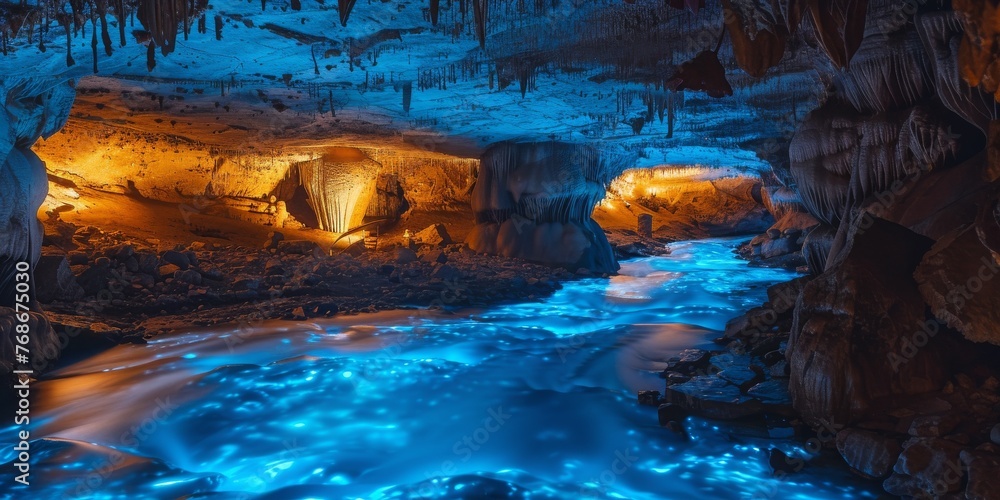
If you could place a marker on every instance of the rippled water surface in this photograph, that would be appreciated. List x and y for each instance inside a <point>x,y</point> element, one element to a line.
<point>533,400</point>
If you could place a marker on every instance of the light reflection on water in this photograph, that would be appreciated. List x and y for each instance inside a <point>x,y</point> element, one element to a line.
<point>533,400</point>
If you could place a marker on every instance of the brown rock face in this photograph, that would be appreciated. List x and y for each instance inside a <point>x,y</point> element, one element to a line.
<point>927,466</point>
<point>867,452</point>
<point>852,338</point>
<point>958,278</point>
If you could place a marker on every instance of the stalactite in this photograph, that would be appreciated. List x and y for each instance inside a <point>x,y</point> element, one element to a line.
<point>64,20</point>
<point>120,15</point>
<point>407,96</point>
<point>840,27</point>
<point>296,4</point>
<point>218,27</point>
<point>151,58</point>
<point>480,13</point>
<point>93,42</point>
<point>435,10</point>
<point>105,36</point>
<point>344,7</point>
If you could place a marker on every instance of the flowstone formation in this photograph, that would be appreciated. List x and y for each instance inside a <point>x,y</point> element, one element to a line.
<point>34,108</point>
<point>340,185</point>
<point>534,201</point>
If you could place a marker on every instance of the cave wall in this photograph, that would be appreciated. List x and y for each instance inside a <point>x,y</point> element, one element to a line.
<point>894,167</point>
<point>686,202</point>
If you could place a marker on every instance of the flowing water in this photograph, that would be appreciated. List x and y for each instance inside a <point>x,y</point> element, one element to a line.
<point>533,400</point>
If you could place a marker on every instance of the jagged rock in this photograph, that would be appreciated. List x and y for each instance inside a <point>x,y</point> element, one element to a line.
<point>299,247</point>
<point>712,397</point>
<point>852,341</point>
<point>434,256</point>
<point>176,258</point>
<point>958,278</point>
<point>167,271</point>
<point>405,256</point>
<point>779,461</point>
<point>273,239</point>
<point>753,323</point>
<point>983,470</point>
<point>871,454</point>
<point>669,412</point>
<point>447,272</point>
<point>649,398</point>
<point>96,277</point>
<point>273,267</point>
<point>54,280</point>
<point>774,394</point>
<point>784,295</point>
<point>934,425</point>
<point>435,235</point>
<point>189,276</point>
<point>927,466</point>
<point>816,247</point>
<point>77,258</point>
<point>743,377</point>
<point>120,252</point>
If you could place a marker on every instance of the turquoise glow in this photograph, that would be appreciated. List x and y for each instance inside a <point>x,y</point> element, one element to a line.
<point>533,400</point>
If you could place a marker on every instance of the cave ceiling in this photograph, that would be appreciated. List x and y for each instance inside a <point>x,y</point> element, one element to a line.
<point>247,73</point>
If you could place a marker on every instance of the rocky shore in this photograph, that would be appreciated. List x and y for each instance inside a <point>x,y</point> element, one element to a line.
<point>103,288</point>
<point>922,416</point>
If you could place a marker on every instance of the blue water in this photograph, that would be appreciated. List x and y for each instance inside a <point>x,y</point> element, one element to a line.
<point>533,400</point>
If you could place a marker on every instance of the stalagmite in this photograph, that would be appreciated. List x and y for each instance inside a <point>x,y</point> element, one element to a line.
<point>340,185</point>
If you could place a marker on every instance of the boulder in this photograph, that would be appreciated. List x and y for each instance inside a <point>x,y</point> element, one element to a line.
<point>983,471</point>
<point>96,277</point>
<point>434,235</point>
<point>54,280</point>
<point>167,271</point>
<point>189,276</point>
<point>176,258</point>
<point>405,255</point>
<point>868,453</point>
<point>927,466</point>
<point>446,272</point>
<point>273,267</point>
<point>434,256</point>
<point>299,247</point>
<point>670,412</point>
<point>273,238</point>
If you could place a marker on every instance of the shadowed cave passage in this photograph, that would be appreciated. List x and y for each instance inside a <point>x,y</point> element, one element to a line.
<point>719,248</point>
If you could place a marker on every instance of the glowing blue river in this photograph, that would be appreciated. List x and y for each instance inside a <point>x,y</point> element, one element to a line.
<point>533,400</point>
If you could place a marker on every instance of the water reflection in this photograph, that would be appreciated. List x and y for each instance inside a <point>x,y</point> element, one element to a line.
<point>531,400</point>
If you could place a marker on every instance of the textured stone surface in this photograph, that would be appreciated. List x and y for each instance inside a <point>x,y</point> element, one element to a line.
<point>852,323</point>
<point>927,466</point>
<point>867,452</point>
<point>959,279</point>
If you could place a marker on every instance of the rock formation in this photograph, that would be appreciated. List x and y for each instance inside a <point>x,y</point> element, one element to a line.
<point>534,201</point>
